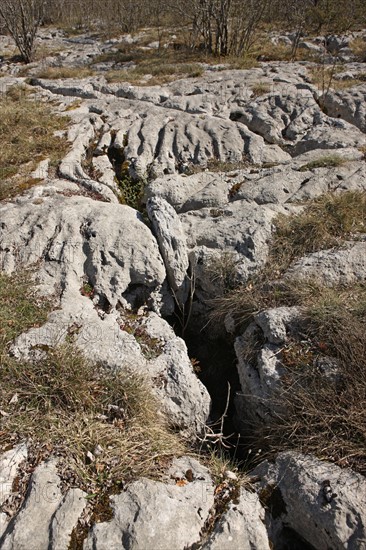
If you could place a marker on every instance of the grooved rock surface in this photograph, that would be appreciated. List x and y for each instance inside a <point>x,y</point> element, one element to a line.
<point>222,155</point>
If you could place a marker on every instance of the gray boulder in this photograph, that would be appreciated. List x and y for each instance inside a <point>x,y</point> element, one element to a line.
<point>339,266</point>
<point>324,504</point>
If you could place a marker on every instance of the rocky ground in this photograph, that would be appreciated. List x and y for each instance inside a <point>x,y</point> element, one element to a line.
<point>218,158</point>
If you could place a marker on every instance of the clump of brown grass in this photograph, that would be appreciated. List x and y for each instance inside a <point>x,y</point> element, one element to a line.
<point>106,424</point>
<point>27,133</point>
<point>358,47</point>
<point>260,88</point>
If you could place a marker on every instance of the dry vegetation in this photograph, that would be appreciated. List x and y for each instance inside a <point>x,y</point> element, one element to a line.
<point>323,416</point>
<point>54,73</point>
<point>358,47</point>
<point>325,78</point>
<point>327,161</point>
<point>326,222</point>
<point>67,406</point>
<point>152,67</point>
<point>27,133</point>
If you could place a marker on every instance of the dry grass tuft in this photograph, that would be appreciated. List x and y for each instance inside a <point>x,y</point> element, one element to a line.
<point>260,88</point>
<point>106,424</point>
<point>27,133</point>
<point>55,73</point>
<point>358,47</point>
<point>327,161</point>
<point>324,223</point>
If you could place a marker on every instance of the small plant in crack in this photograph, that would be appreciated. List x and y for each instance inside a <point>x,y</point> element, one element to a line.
<point>133,324</point>
<point>235,190</point>
<point>131,191</point>
<point>196,365</point>
<point>87,290</point>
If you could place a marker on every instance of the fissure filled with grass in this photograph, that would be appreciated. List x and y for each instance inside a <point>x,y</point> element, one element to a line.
<point>27,133</point>
<point>323,390</point>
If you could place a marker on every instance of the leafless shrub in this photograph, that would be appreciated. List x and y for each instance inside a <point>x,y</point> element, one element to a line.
<point>22,18</point>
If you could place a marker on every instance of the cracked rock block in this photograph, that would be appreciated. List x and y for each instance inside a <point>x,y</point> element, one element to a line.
<point>324,504</point>
<point>152,514</point>
<point>46,517</point>
<point>172,244</point>
<point>242,526</point>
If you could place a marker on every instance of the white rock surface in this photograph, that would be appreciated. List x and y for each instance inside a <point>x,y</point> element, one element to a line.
<point>342,266</point>
<point>9,464</point>
<point>29,530</point>
<point>172,243</point>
